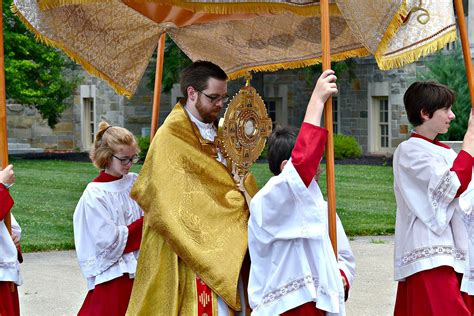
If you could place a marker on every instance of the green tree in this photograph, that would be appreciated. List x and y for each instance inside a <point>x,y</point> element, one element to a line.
<point>174,62</point>
<point>448,68</point>
<point>35,74</point>
<point>345,66</point>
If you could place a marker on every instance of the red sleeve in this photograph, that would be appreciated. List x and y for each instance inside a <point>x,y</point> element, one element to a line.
<point>462,165</point>
<point>6,202</point>
<point>346,289</point>
<point>134,235</point>
<point>308,150</point>
<point>20,254</point>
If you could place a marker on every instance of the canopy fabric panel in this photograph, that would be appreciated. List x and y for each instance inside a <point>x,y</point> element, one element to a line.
<point>116,39</point>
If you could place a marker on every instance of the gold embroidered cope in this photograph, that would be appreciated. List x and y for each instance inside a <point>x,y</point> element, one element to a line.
<point>195,222</point>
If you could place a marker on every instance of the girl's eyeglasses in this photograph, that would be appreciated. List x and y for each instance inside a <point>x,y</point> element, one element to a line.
<point>126,161</point>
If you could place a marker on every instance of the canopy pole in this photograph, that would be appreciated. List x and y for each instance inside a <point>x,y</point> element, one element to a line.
<point>3,125</point>
<point>160,52</point>
<point>466,51</point>
<point>3,116</point>
<point>331,183</point>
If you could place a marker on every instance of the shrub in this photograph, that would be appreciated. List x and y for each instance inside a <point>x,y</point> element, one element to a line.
<point>346,147</point>
<point>263,154</point>
<point>144,144</point>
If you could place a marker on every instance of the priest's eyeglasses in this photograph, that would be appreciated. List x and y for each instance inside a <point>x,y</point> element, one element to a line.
<point>216,98</point>
<point>126,161</point>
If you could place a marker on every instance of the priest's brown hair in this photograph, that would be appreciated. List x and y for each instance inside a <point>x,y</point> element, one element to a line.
<point>198,74</point>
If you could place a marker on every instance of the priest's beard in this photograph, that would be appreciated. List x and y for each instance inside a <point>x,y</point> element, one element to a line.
<point>208,114</point>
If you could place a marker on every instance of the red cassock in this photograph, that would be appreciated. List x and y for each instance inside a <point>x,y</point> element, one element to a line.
<point>112,297</point>
<point>9,304</point>
<point>437,291</point>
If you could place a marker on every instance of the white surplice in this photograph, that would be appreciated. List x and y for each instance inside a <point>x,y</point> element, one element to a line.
<point>429,232</point>
<point>9,265</point>
<point>100,230</point>
<point>292,258</point>
<point>466,206</point>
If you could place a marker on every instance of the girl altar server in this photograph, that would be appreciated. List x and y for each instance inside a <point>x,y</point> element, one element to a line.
<point>108,224</point>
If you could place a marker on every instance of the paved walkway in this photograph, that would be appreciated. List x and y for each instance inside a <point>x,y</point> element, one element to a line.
<point>53,284</point>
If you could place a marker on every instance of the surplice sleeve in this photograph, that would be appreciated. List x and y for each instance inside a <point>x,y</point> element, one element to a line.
<point>427,186</point>
<point>99,241</point>
<point>346,259</point>
<point>284,209</point>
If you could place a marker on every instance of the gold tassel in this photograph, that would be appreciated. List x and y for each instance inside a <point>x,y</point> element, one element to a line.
<point>76,58</point>
<point>52,4</point>
<point>360,52</point>
<point>213,7</point>
<point>386,63</point>
<point>392,28</point>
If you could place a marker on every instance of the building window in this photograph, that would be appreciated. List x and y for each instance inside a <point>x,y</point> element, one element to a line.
<point>383,123</point>
<point>88,123</point>
<point>335,116</point>
<point>276,112</point>
<point>271,108</point>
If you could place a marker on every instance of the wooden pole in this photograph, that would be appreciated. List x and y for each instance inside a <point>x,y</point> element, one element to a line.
<point>331,183</point>
<point>160,52</point>
<point>3,116</point>
<point>3,125</point>
<point>466,50</point>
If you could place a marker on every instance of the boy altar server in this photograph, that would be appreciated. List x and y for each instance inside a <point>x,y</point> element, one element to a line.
<point>294,270</point>
<point>430,237</point>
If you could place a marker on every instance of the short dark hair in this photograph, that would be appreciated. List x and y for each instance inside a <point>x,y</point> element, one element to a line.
<point>280,144</point>
<point>197,75</point>
<point>426,96</point>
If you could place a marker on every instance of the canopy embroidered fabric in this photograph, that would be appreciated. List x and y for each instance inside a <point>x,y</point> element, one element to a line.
<point>115,40</point>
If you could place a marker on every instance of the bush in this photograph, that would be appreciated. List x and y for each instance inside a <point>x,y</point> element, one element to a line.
<point>346,147</point>
<point>144,144</point>
<point>264,153</point>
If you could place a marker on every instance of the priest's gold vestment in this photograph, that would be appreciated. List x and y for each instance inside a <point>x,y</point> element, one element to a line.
<point>195,223</point>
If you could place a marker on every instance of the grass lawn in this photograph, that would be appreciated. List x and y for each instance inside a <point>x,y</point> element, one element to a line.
<point>46,193</point>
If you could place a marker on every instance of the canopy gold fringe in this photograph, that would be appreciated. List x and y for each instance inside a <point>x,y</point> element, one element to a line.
<point>261,8</point>
<point>52,4</point>
<point>76,58</point>
<point>392,28</point>
<point>360,52</point>
<point>397,61</point>
<point>213,7</point>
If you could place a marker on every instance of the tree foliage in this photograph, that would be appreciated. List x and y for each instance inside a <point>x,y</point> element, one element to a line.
<point>174,62</point>
<point>34,73</point>
<point>341,67</point>
<point>448,68</point>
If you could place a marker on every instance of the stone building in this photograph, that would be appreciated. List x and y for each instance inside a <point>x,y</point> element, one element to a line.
<point>369,107</point>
